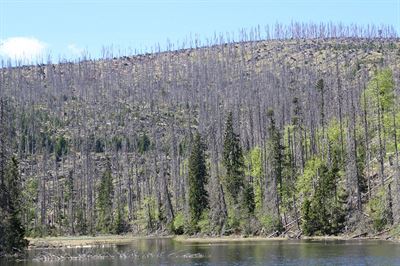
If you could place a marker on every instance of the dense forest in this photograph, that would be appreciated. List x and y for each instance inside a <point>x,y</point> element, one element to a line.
<point>294,132</point>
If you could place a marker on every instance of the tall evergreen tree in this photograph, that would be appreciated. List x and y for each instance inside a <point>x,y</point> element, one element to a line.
<point>119,225</point>
<point>233,161</point>
<point>3,190</point>
<point>12,231</point>
<point>277,159</point>
<point>323,213</point>
<point>198,196</point>
<point>15,231</point>
<point>106,193</point>
<point>238,189</point>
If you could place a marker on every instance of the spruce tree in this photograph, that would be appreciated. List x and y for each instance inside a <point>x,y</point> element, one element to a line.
<point>119,226</point>
<point>106,193</point>
<point>277,161</point>
<point>233,161</point>
<point>198,196</point>
<point>323,214</point>
<point>248,198</point>
<point>13,229</point>
<point>3,189</point>
<point>240,192</point>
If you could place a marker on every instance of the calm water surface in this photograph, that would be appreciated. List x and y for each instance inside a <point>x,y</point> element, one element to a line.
<point>169,252</point>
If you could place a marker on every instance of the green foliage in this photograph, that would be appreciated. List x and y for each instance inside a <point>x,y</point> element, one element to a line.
<point>99,145</point>
<point>380,91</point>
<point>143,143</point>
<point>104,201</point>
<point>256,171</point>
<point>204,223</point>
<point>322,209</point>
<point>237,188</point>
<point>12,231</point>
<point>388,123</point>
<point>289,172</point>
<point>306,181</point>
<point>147,215</point>
<point>275,150</point>
<point>233,161</point>
<point>179,223</point>
<point>378,210</point>
<point>333,134</point>
<point>119,223</point>
<point>320,85</point>
<point>117,143</point>
<point>46,141</point>
<point>378,100</point>
<point>234,218</point>
<point>248,198</point>
<point>271,223</point>
<point>361,160</point>
<point>317,211</point>
<point>61,147</point>
<point>309,218</point>
<point>183,146</point>
<point>81,225</point>
<point>198,196</point>
<point>29,196</point>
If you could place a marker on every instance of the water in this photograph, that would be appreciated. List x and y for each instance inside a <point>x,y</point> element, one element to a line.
<point>272,252</point>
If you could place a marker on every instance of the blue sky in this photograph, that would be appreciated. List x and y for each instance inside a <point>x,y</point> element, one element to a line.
<point>66,28</point>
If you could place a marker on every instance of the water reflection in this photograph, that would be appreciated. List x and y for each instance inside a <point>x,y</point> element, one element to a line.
<point>169,252</point>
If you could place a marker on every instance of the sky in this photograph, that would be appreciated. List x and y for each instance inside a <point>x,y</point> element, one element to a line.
<point>35,29</point>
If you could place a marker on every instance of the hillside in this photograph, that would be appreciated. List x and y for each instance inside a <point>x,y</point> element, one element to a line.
<point>104,146</point>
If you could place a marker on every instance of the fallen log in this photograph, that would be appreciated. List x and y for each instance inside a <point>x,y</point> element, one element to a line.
<point>274,233</point>
<point>359,235</point>
<point>382,232</point>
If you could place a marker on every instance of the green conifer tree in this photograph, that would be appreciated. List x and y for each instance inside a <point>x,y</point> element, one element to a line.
<point>233,161</point>
<point>198,196</point>
<point>323,214</point>
<point>13,229</point>
<point>119,226</point>
<point>104,201</point>
<point>277,161</point>
<point>81,225</point>
<point>240,192</point>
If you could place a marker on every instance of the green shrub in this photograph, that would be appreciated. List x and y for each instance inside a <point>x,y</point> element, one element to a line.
<point>378,210</point>
<point>146,215</point>
<point>204,223</point>
<point>233,219</point>
<point>179,223</point>
<point>271,223</point>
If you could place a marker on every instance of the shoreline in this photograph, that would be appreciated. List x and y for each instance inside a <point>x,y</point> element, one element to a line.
<point>220,239</point>
<point>92,241</point>
<point>87,241</point>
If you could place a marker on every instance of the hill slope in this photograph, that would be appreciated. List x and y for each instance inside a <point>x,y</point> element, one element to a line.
<point>326,153</point>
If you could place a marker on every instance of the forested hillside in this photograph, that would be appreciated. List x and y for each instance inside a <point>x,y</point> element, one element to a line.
<point>296,135</point>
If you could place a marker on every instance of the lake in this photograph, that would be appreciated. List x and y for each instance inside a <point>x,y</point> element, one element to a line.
<point>269,252</point>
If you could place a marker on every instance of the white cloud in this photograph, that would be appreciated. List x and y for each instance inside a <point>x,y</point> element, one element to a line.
<point>75,50</point>
<point>22,48</point>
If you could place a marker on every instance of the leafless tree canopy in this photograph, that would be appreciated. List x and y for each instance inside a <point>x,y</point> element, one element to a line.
<point>66,119</point>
